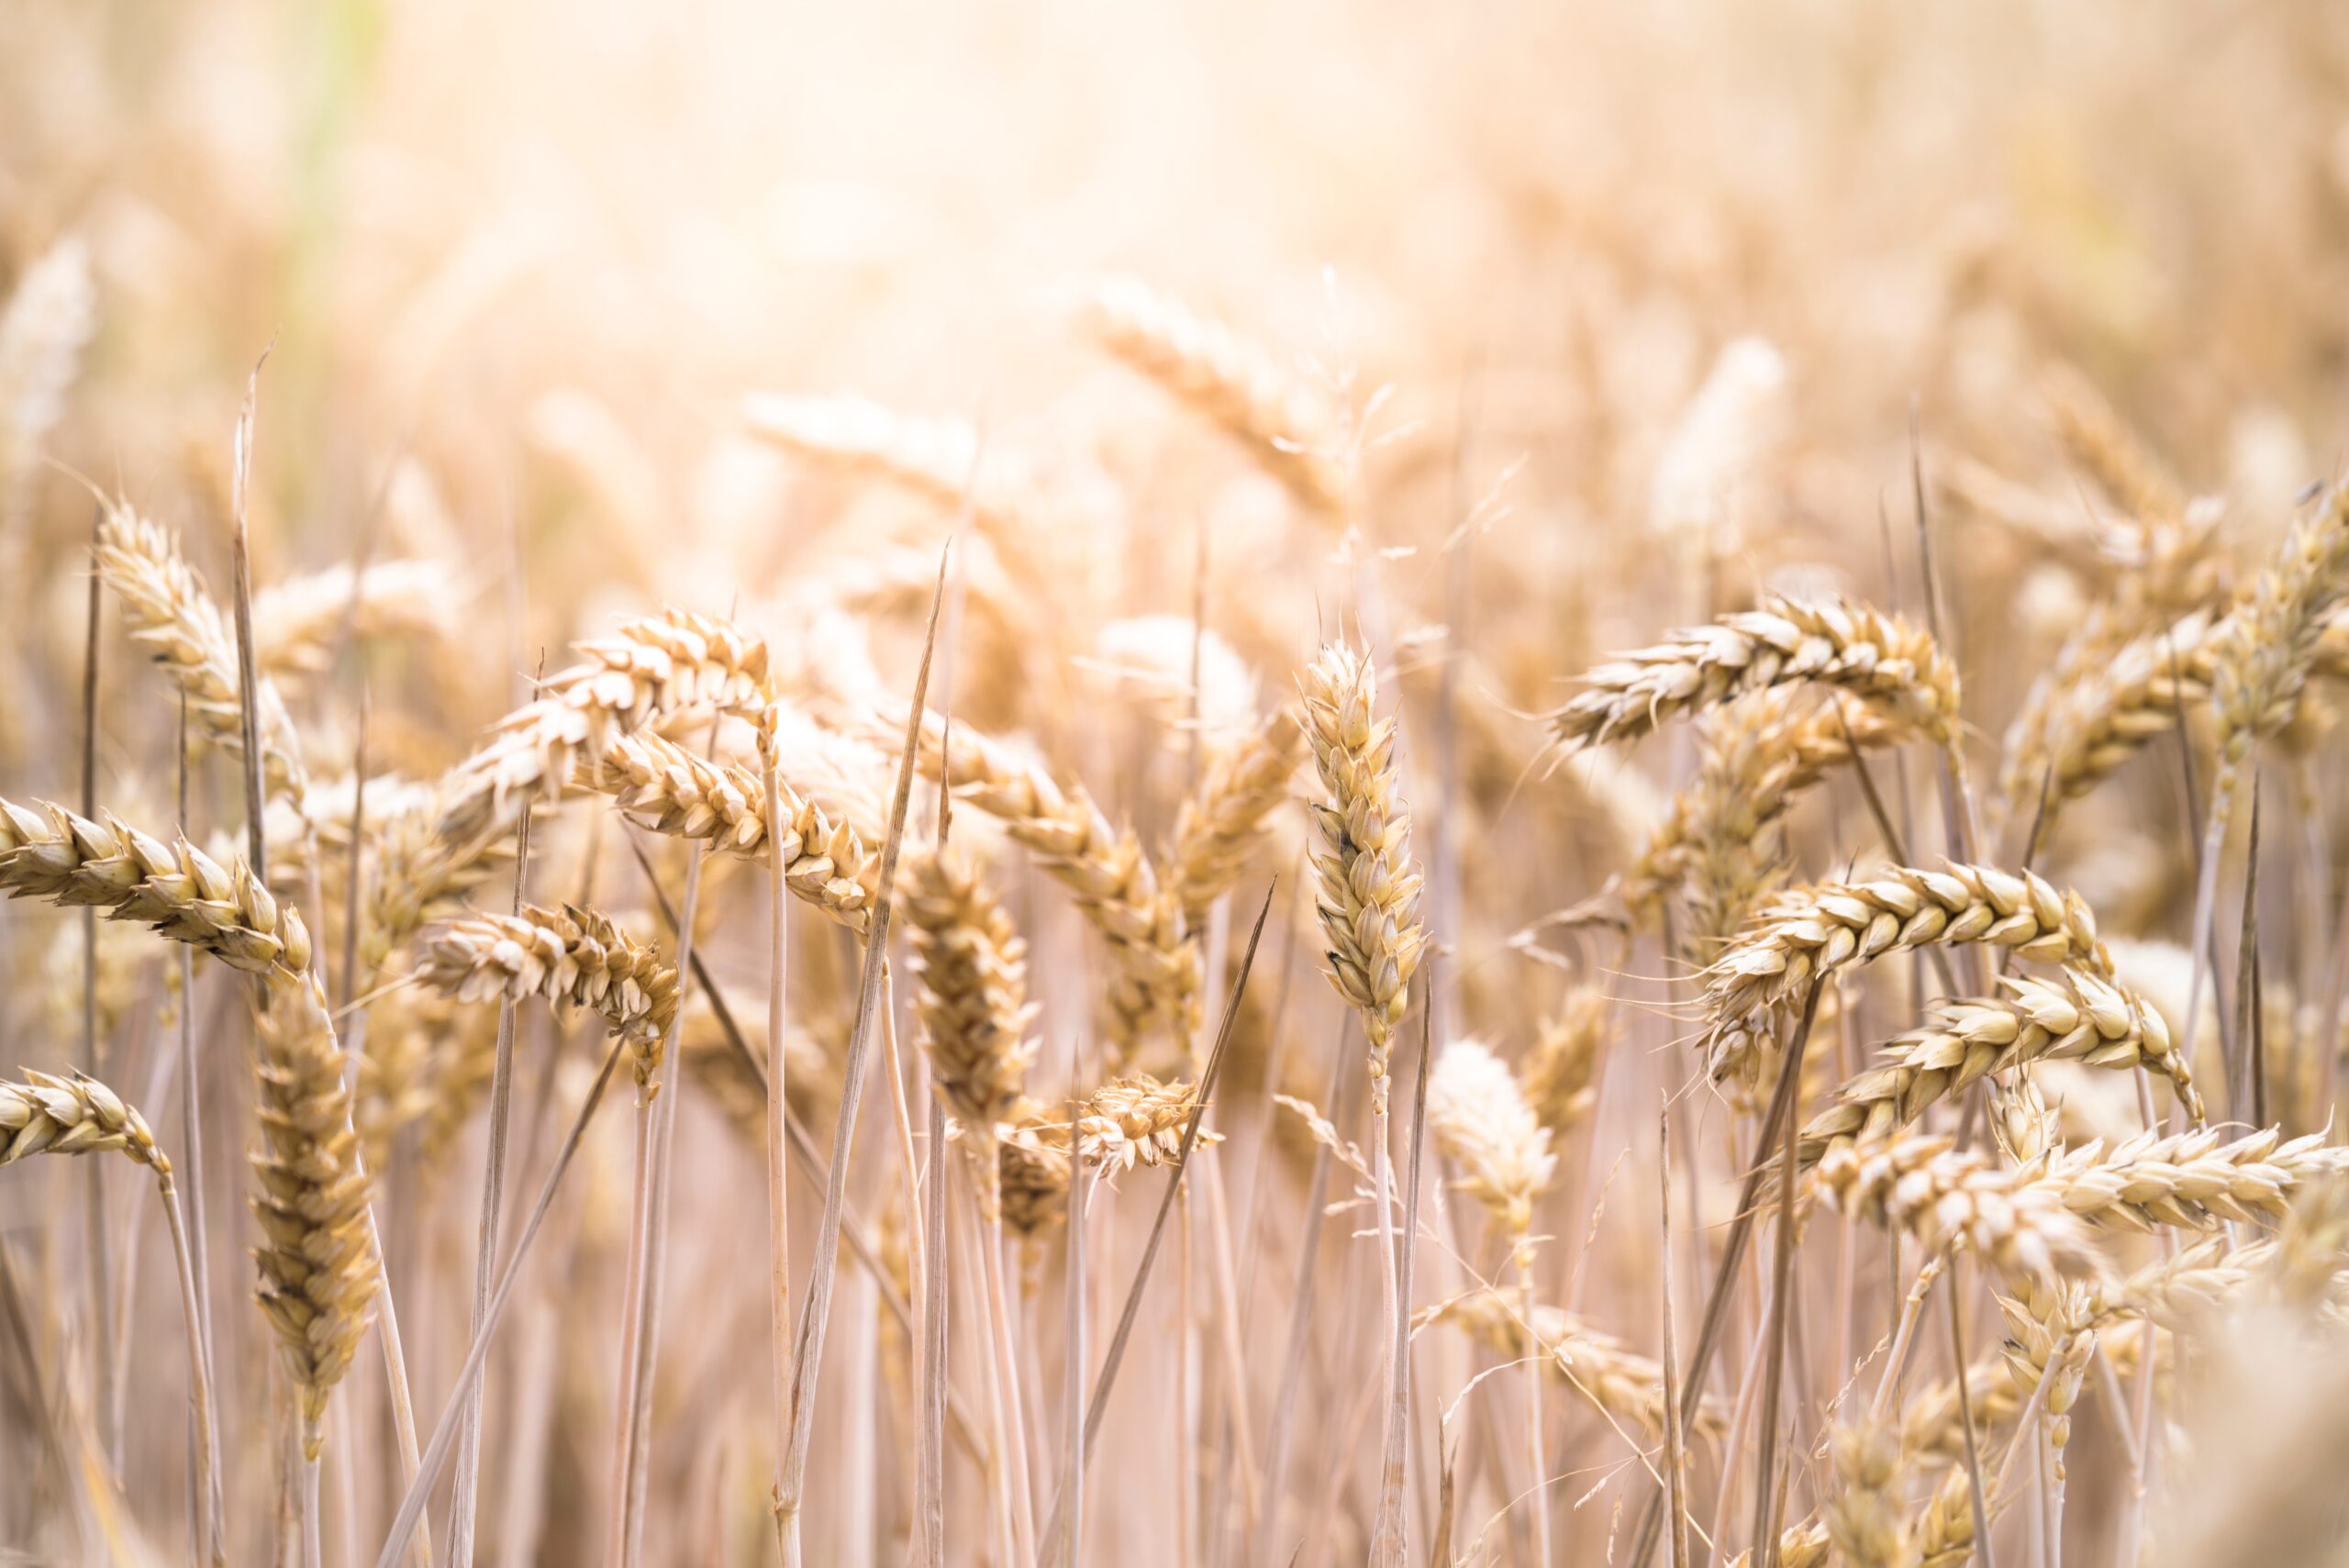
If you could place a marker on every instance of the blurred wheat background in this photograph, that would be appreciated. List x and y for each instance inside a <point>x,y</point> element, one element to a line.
<point>963,508</point>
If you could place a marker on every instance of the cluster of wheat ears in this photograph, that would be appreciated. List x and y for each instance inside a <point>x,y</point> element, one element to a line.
<point>1037,1141</point>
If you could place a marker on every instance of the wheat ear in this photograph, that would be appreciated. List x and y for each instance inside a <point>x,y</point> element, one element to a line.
<point>1866,1522</point>
<point>1485,1125</point>
<point>575,955</point>
<point>971,969</point>
<point>1614,1378</point>
<point>1220,830</point>
<point>1857,648</point>
<point>2192,1180</point>
<point>173,615</point>
<point>1138,1121</point>
<point>668,789</point>
<point>652,667</point>
<point>2077,1018</point>
<point>1948,1199</point>
<point>1367,887</point>
<point>1809,933</point>
<point>1236,383</point>
<point>1156,986</point>
<point>49,320</point>
<point>298,623</point>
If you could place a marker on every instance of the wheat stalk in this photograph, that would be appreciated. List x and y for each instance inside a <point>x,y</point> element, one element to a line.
<point>1860,649</point>
<point>577,956</point>
<point>2076,1018</point>
<point>1236,383</point>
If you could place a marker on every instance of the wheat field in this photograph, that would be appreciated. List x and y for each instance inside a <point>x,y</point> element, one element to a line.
<point>1213,784</point>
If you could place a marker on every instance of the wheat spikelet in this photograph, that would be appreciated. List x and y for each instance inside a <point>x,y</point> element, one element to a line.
<point>1615,1379</point>
<point>1862,650</point>
<point>49,1115</point>
<point>419,871</point>
<point>652,667</point>
<point>2192,1180</point>
<point>49,320</point>
<point>172,616</point>
<point>1483,1124</point>
<point>1865,1520</point>
<point>297,622</point>
<point>659,783</point>
<point>1155,988</point>
<point>1721,837</point>
<point>1805,1545</point>
<point>1943,1528</point>
<point>1367,887</point>
<point>972,999</point>
<point>2077,1017</point>
<point>1138,1120</point>
<point>1947,1199</point>
<point>1560,1069</point>
<point>319,1268</point>
<point>1810,933</point>
<point>1236,383</point>
<point>174,888</point>
<point>1221,826</point>
<point>577,956</point>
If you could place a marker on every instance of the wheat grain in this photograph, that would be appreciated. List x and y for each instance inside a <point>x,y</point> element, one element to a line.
<point>1367,893</point>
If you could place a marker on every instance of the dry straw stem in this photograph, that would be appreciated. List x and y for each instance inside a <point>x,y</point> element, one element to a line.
<point>1809,933</point>
<point>1602,1369</point>
<point>1720,839</point>
<point>176,888</point>
<point>2192,1180</point>
<point>1222,826</point>
<point>669,790</point>
<point>1138,1121</point>
<point>1366,885</point>
<point>1155,988</point>
<point>652,667</point>
<point>971,969</point>
<point>1866,1522</point>
<point>1862,650</point>
<point>2074,1017</point>
<point>50,1115</point>
<point>1280,416</point>
<point>298,623</point>
<point>1561,1072</point>
<point>318,1267</point>
<point>1948,1198</point>
<point>174,617</point>
<point>575,955</point>
<point>1485,1125</point>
